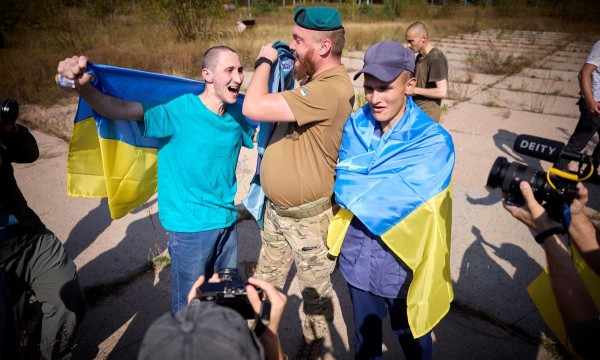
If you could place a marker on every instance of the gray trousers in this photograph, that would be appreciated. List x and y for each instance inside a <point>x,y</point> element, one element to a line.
<point>38,261</point>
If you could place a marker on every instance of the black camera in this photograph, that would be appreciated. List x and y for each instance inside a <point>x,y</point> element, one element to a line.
<point>507,176</point>
<point>230,292</point>
<point>9,110</point>
<point>552,189</point>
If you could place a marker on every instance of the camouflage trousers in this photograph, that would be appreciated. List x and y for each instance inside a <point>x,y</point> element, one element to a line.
<point>300,234</point>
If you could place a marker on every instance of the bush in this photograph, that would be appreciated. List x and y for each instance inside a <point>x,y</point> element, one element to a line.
<point>491,61</point>
<point>394,8</point>
<point>366,9</point>
<point>101,9</point>
<point>264,7</point>
<point>573,9</point>
<point>193,19</point>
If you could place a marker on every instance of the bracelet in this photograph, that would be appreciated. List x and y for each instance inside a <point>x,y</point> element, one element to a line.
<point>539,238</point>
<point>262,60</point>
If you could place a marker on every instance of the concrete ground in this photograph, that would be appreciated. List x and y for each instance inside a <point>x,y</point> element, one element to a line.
<point>493,258</point>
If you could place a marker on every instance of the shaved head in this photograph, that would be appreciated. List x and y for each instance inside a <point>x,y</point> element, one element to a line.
<point>418,29</point>
<point>211,56</point>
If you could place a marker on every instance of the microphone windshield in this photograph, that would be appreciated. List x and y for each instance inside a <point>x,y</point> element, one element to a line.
<point>537,147</point>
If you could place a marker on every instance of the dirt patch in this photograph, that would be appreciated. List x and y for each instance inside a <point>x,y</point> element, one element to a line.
<point>56,120</point>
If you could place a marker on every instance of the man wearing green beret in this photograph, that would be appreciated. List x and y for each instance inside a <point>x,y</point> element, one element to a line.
<point>297,169</point>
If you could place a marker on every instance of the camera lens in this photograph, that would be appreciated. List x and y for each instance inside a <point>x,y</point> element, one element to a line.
<point>9,110</point>
<point>497,173</point>
<point>507,176</point>
<point>229,274</point>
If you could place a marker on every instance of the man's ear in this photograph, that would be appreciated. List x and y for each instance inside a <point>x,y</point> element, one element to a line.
<point>410,85</point>
<point>325,47</point>
<point>207,75</point>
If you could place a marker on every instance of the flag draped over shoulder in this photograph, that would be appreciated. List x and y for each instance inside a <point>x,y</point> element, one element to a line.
<point>111,158</point>
<point>399,187</point>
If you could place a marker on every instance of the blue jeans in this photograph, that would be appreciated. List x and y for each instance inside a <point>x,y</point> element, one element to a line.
<point>369,312</point>
<point>198,253</point>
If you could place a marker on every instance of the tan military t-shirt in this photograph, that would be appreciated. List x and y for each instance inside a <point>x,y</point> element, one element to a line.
<point>298,165</point>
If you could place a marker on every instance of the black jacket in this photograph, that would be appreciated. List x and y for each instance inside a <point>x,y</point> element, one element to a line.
<point>18,147</point>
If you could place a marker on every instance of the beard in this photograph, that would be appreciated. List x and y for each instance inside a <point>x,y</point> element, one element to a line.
<point>305,67</point>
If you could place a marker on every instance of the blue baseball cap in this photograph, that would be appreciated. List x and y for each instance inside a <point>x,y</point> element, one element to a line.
<point>386,60</point>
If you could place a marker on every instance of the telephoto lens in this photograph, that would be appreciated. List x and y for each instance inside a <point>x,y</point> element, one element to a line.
<point>9,110</point>
<point>507,176</point>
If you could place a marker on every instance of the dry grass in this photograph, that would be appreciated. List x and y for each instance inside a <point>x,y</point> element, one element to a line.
<point>136,40</point>
<point>492,60</point>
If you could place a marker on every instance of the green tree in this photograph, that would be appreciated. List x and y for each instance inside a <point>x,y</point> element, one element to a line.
<point>394,8</point>
<point>192,19</point>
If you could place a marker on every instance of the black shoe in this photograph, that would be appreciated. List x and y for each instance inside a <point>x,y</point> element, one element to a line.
<point>310,349</point>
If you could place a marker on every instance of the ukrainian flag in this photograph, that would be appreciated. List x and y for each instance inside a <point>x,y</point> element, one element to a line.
<point>111,158</point>
<point>541,292</point>
<point>399,186</point>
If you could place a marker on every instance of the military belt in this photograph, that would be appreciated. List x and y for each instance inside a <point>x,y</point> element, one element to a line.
<point>305,210</point>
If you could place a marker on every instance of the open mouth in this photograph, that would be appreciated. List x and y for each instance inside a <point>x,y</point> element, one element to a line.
<point>233,89</point>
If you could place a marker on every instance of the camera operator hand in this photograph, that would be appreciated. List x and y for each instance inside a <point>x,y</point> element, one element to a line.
<point>575,303</point>
<point>192,294</point>
<point>270,337</point>
<point>582,231</point>
<point>532,213</point>
<point>277,299</point>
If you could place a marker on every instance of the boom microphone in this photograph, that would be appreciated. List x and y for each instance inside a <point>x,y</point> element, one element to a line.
<point>544,149</point>
<point>538,147</point>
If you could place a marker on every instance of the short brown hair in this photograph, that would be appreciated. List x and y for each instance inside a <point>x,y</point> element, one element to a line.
<point>419,28</point>
<point>210,56</point>
<point>337,37</point>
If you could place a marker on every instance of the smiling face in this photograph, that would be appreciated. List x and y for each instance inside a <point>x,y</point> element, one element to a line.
<point>387,100</point>
<point>225,75</point>
<point>304,48</point>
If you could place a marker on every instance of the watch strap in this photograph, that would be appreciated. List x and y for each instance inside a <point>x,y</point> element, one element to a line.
<point>262,60</point>
<point>541,237</point>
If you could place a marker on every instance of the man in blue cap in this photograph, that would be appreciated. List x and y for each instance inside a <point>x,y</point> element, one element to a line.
<point>297,169</point>
<point>392,233</point>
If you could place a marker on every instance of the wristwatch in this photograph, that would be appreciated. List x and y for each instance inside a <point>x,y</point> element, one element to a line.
<point>262,60</point>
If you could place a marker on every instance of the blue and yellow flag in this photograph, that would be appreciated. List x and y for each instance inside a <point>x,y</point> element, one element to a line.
<point>280,79</point>
<point>399,186</point>
<point>111,158</point>
<point>541,292</point>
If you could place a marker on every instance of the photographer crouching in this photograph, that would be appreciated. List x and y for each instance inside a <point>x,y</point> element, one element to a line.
<point>575,304</point>
<point>214,326</point>
<point>31,257</point>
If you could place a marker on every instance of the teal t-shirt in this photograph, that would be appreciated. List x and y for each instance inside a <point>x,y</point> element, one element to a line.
<point>197,157</point>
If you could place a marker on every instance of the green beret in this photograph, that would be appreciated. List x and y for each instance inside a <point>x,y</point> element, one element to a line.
<point>319,18</point>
